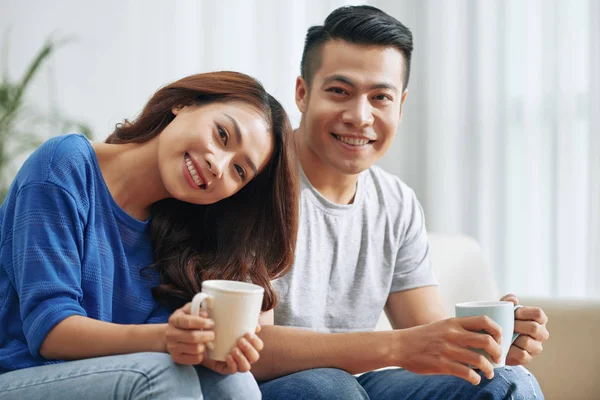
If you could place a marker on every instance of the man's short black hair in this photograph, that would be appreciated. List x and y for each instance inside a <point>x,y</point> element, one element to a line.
<point>365,25</point>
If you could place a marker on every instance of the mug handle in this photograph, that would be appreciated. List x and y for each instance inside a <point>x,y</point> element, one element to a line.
<point>515,335</point>
<point>204,301</point>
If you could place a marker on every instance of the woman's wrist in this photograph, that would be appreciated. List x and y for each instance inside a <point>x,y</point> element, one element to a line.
<point>151,337</point>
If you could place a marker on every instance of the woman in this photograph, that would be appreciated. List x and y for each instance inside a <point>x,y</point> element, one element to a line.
<point>100,242</point>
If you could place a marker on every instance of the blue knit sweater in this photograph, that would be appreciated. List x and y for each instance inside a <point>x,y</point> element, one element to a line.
<point>67,248</point>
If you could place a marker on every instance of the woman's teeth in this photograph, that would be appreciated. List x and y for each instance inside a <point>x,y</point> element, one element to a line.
<point>193,172</point>
<point>351,141</point>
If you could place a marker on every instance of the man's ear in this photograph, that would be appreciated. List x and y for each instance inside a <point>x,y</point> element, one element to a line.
<point>402,101</point>
<point>301,94</point>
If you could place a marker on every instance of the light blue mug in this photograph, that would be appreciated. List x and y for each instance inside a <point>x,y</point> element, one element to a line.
<point>501,312</point>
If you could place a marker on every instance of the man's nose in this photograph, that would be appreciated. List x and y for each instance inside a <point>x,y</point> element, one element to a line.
<point>359,114</point>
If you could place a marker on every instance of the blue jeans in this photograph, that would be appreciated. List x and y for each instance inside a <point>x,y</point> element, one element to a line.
<point>130,376</point>
<point>509,383</point>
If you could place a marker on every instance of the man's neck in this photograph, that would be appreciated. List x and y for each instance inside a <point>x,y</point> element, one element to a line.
<point>333,184</point>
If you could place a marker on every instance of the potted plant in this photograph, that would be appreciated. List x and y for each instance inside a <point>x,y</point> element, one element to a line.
<point>21,127</point>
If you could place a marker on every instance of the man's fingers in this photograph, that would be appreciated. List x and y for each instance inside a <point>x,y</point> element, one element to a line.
<point>461,371</point>
<point>517,356</point>
<point>482,323</point>
<point>529,344</point>
<point>482,341</point>
<point>510,297</point>
<point>532,314</point>
<point>533,329</point>
<point>476,360</point>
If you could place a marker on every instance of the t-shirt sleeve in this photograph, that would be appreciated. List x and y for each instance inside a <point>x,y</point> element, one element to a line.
<point>46,263</point>
<point>413,267</point>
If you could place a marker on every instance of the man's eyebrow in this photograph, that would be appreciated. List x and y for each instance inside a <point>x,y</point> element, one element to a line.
<point>338,78</point>
<point>347,81</point>
<point>238,138</point>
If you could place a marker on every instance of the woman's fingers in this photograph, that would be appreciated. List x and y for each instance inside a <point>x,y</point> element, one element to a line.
<point>248,350</point>
<point>191,337</point>
<point>186,348</point>
<point>187,359</point>
<point>181,320</point>
<point>243,365</point>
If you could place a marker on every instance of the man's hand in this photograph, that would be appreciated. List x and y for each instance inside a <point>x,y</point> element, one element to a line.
<point>444,347</point>
<point>240,358</point>
<point>530,323</point>
<point>186,336</point>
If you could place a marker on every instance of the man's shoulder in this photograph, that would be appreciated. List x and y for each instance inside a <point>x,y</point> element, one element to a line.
<point>386,186</point>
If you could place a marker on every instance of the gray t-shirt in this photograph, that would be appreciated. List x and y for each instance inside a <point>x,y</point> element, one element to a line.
<point>349,258</point>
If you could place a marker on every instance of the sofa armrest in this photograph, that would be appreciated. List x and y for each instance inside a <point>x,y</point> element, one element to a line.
<point>568,367</point>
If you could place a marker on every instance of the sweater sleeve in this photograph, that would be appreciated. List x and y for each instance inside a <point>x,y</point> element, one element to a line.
<point>46,259</point>
<point>160,315</point>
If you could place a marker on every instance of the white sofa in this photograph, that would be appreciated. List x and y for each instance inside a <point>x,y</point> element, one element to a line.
<point>569,367</point>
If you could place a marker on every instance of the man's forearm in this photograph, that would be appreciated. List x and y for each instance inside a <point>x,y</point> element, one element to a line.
<point>79,337</point>
<point>288,350</point>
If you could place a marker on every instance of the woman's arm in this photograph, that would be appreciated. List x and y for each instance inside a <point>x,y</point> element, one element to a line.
<point>78,337</point>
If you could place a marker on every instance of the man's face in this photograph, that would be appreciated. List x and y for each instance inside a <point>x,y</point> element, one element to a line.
<point>352,109</point>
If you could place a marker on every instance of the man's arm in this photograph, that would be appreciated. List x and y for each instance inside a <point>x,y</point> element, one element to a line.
<point>415,307</point>
<point>437,348</point>
<point>288,350</point>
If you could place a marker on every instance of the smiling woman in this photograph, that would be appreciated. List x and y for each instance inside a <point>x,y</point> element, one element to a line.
<point>101,242</point>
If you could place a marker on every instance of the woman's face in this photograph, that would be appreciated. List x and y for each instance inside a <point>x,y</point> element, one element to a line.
<point>208,153</point>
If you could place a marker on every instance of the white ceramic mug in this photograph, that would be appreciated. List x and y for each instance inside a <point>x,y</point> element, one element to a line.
<point>235,308</point>
<point>501,312</point>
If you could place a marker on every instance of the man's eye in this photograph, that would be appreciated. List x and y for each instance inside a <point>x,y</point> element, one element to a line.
<point>241,172</point>
<point>383,97</point>
<point>336,90</point>
<point>223,135</point>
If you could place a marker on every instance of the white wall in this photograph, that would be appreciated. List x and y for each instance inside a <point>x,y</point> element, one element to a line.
<point>500,135</point>
<point>121,52</point>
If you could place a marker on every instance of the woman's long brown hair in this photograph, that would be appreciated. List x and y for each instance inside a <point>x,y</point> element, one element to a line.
<point>250,236</point>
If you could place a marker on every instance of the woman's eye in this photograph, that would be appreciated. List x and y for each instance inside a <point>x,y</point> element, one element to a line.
<point>241,172</point>
<point>223,135</point>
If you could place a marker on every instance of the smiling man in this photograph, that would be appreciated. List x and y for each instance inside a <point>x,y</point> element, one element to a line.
<point>362,246</point>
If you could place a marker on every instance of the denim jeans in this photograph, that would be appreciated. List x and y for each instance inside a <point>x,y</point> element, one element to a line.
<point>131,376</point>
<point>509,383</point>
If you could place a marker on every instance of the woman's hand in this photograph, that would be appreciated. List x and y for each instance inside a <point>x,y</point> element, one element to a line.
<point>241,357</point>
<point>186,335</point>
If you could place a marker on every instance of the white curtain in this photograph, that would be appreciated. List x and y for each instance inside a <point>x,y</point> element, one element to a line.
<point>501,130</point>
<point>501,135</point>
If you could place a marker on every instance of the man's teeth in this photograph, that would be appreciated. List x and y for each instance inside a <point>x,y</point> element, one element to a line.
<point>193,171</point>
<point>351,141</point>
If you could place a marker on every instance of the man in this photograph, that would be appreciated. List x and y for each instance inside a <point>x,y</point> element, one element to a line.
<point>362,246</point>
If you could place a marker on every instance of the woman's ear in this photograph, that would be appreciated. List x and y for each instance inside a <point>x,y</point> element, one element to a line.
<point>176,109</point>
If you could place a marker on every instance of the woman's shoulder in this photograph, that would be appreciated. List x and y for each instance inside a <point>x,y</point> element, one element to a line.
<point>63,160</point>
